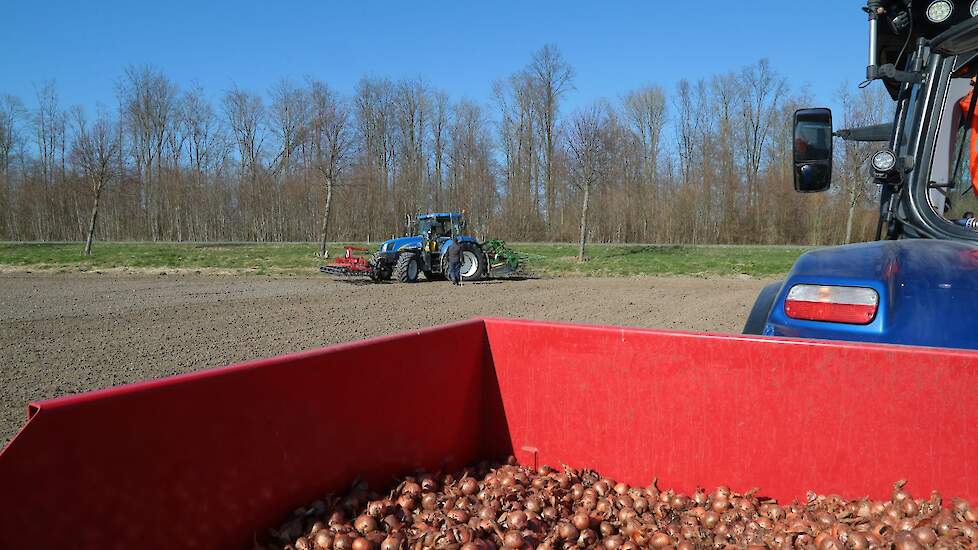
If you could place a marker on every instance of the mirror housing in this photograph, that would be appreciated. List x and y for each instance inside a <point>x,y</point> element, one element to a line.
<point>812,150</point>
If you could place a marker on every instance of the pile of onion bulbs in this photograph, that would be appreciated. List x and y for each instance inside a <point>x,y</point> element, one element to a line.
<point>507,506</point>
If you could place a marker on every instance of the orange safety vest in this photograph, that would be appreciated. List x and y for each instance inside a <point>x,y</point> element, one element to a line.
<point>972,135</point>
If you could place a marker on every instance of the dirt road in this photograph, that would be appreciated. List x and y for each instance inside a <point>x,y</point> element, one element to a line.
<point>64,334</point>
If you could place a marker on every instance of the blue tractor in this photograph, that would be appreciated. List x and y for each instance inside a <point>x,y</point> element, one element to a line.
<point>918,282</point>
<point>404,259</point>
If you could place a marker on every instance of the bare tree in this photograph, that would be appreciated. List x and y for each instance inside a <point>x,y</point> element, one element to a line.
<point>439,124</point>
<point>411,101</point>
<point>472,185</point>
<point>865,109</point>
<point>685,128</point>
<point>207,148</point>
<point>246,114</point>
<point>585,142</point>
<point>375,128</point>
<point>515,97</point>
<point>332,141</point>
<point>289,114</point>
<point>148,106</point>
<point>94,151</point>
<point>761,92</point>
<point>711,164</point>
<point>645,110</point>
<point>49,128</point>
<point>554,77</point>
<point>12,115</point>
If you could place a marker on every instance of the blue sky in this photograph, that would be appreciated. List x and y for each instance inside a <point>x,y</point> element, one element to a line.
<point>458,46</point>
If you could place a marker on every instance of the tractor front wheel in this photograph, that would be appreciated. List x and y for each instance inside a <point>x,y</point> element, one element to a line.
<point>407,268</point>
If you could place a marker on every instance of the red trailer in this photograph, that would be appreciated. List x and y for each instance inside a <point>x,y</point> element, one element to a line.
<point>209,460</point>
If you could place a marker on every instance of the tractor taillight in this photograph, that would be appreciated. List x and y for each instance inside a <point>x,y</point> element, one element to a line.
<point>835,304</point>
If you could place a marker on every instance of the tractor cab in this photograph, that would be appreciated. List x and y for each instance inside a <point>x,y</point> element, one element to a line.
<point>440,226</point>
<point>918,282</point>
<point>925,52</point>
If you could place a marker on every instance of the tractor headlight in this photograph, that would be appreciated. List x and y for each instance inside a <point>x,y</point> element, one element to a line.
<point>939,10</point>
<point>884,161</point>
<point>974,8</point>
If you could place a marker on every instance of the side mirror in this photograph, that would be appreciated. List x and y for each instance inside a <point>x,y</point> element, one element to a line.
<point>812,145</point>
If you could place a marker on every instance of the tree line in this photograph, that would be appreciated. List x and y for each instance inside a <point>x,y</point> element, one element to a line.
<point>706,161</point>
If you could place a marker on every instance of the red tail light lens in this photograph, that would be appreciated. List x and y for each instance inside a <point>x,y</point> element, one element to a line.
<point>834,304</point>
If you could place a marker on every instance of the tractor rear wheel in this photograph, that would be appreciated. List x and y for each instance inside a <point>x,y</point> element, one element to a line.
<point>407,268</point>
<point>475,265</point>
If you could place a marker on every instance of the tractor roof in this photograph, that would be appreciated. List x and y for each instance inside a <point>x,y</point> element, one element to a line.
<point>431,215</point>
<point>891,43</point>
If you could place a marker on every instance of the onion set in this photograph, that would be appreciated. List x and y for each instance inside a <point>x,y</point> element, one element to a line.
<point>504,506</point>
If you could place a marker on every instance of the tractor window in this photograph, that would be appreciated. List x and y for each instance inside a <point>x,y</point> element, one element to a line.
<point>438,228</point>
<point>954,171</point>
<point>443,229</point>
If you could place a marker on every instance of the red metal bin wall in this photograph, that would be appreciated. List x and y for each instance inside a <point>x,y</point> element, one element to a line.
<point>700,409</point>
<point>206,460</point>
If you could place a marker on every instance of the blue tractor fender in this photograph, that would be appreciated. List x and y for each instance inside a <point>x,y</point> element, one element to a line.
<point>928,293</point>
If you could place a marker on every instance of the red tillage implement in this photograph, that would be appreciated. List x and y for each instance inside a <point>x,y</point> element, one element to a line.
<point>207,460</point>
<point>350,265</point>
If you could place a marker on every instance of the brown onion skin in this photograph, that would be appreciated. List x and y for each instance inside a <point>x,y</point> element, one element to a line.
<point>581,521</point>
<point>517,520</point>
<point>365,524</point>
<point>567,532</point>
<point>512,539</point>
<point>323,540</point>
<point>660,540</point>
<point>510,507</point>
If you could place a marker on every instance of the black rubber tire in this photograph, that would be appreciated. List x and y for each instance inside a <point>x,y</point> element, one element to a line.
<point>483,269</point>
<point>762,309</point>
<point>380,275</point>
<point>402,271</point>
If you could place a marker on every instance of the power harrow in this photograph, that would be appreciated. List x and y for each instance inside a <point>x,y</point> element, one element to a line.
<point>352,264</point>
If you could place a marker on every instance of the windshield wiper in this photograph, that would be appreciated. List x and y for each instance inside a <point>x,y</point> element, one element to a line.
<point>890,72</point>
<point>876,132</point>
